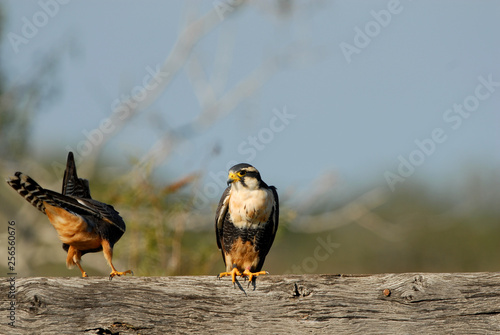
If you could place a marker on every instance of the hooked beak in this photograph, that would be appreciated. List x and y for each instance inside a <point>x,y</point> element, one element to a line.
<point>232,178</point>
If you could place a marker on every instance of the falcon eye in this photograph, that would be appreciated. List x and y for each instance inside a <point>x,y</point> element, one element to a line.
<point>242,173</point>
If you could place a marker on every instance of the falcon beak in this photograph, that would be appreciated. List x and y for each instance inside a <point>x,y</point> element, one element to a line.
<point>232,178</point>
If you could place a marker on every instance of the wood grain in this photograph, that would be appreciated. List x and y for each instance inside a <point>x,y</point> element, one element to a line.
<point>407,303</point>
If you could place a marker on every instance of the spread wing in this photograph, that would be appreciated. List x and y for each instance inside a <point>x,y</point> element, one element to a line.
<point>72,185</point>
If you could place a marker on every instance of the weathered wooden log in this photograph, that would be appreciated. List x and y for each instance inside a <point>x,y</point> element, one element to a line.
<point>407,303</point>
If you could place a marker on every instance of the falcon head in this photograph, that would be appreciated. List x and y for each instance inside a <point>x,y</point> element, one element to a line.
<point>244,175</point>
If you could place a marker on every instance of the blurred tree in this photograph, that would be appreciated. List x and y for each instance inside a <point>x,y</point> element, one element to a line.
<point>19,101</point>
<point>14,121</point>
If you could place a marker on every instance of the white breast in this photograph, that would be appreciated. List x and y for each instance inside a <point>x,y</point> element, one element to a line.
<point>250,208</point>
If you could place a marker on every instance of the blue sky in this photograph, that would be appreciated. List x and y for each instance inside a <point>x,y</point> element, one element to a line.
<point>357,115</point>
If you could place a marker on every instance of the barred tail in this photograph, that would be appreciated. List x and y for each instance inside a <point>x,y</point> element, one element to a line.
<point>30,190</point>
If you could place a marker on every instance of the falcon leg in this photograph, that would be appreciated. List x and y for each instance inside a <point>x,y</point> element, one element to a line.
<point>233,273</point>
<point>108,254</point>
<point>84,274</point>
<point>74,257</point>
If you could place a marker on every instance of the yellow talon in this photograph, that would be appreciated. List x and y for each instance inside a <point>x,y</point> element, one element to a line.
<point>117,273</point>
<point>246,273</point>
<point>233,273</point>
<point>253,274</point>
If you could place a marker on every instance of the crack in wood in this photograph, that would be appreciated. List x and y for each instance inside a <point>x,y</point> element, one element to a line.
<point>36,304</point>
<point>299,291</point>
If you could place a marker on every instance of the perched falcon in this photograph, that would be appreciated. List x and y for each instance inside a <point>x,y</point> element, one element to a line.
<point>246,222</point>
<point>84,225</point>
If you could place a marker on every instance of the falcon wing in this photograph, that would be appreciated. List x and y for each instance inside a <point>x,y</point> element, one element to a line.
<point>276,217</point>
<point>72,185</point>
<point>220,216</point>
<point>265,237</point>
<point>104,212</point>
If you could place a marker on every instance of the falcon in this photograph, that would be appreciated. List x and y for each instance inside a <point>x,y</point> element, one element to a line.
<point>246,222</point>
<point>83,224</point>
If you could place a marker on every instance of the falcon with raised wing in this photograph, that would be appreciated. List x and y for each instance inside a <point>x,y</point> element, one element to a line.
<point>84,225</point>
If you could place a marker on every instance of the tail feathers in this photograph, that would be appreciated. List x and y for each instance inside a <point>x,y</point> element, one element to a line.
<point>88,209</point>
<point>30,190</point>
